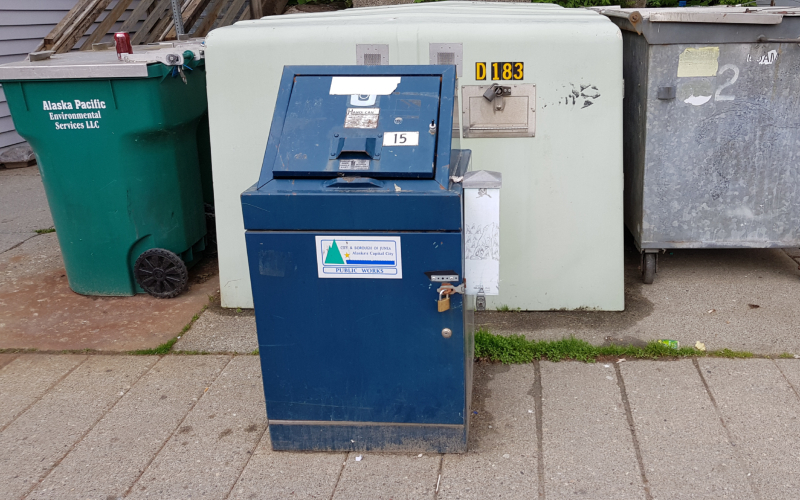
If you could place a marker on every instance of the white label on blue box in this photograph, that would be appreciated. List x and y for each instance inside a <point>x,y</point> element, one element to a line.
<point>353,164</point>
<point>401,139</point>
<point>375,257</point>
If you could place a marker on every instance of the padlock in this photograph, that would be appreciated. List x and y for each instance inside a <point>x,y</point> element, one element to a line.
<point>444,301</point>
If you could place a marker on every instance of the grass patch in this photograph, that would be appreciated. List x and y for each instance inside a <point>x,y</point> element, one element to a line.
<point>166,347</point>
<point>727,353</point>
<point>504,308</point>
<point>45,231</point>
<point>255,353</point>
<point>156,351</point>
<point>514,349</point>
<point>191,321</point>
<point>78,351</point>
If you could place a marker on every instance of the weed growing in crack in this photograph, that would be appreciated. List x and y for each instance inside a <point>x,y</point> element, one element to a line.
<point>517,349</point>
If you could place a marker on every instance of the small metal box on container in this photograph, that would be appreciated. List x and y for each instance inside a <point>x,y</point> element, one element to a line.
<point>482,238</point>
<point>554,126</point>
<point>712,127</point>
<point>355,239</point>
<point>122,145</point>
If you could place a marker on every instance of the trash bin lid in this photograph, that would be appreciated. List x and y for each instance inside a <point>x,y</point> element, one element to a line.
<point>103,63</point>
<point>374,126</point>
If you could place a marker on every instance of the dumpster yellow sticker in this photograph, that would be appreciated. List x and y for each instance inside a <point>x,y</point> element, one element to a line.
<point>699,62</point>
<point>359,257</point>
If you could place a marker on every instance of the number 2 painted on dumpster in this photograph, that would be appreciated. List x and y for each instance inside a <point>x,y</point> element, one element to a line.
<point>731,81</point>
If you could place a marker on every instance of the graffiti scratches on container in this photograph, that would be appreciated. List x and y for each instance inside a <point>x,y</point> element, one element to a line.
<point>768,58</point>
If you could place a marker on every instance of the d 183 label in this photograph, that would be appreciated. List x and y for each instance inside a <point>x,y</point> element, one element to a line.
<point>500,71</point>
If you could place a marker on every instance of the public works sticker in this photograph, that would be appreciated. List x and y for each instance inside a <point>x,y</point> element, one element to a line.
<point>376,257</point>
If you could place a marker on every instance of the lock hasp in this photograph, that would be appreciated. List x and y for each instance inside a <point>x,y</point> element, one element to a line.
<point>511,113</point>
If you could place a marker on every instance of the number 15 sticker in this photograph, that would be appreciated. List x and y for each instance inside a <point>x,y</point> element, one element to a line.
<point>401,138</point>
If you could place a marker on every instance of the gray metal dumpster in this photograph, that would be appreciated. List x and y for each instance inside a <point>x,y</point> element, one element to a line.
<point>712,127</point>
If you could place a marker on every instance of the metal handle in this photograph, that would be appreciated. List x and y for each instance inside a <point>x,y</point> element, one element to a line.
<point>520,127</point>
<point>455,289</point>
<point>764,39</point>
<point>354,182</point>
<point>368,147</point>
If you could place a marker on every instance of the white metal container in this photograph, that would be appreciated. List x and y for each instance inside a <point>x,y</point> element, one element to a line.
<point>482,229</point>
<point>555,133</point>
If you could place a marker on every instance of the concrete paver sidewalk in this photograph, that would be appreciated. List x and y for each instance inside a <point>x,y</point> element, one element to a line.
<point>24,206</point>
<point>185,426</point>
<point>680,433</point>
<point>503,452</point>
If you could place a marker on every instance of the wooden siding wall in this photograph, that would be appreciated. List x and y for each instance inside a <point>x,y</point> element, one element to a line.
<point>23,24</point>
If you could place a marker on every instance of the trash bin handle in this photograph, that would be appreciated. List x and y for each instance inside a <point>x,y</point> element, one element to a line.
<point>369,147</point>
<point>354,182</point>
<point>764,39</point>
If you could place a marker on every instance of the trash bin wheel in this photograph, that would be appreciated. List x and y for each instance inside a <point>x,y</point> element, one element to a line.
<point>161,273</point>
<point>648,268</point>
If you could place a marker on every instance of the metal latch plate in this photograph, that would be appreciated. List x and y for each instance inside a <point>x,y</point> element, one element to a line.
<point>442,276</point>
<point>515,117</point>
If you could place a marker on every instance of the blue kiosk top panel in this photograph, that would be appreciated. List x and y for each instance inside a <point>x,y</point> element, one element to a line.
<point>331,129</point>
<point>377,122</point>
<point>396,175</point>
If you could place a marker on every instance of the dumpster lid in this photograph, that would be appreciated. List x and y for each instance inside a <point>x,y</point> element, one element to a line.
<point>103,63</point>
<point>716,24</point>
<point>345,121</point>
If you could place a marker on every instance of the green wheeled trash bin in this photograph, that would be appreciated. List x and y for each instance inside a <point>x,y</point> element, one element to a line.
<point>122,166</point>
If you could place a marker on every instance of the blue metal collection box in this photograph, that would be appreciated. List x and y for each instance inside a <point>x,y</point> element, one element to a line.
<point>352,228</point>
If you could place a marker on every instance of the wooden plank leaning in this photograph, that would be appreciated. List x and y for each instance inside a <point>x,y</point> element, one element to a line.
<point>106,24</point>
<point>190,13</point>
<point>55,34</point>
<point>210,19</point>
<point>161,26</point>
<point>193,13</point>
<point>256,10</point>
<point>162,9</point>
<point>75,32</point>
<point>232,13</point>
<point>136,15</point>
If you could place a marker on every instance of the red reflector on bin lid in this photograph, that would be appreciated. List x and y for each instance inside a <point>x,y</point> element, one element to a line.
<point>122,41</point>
